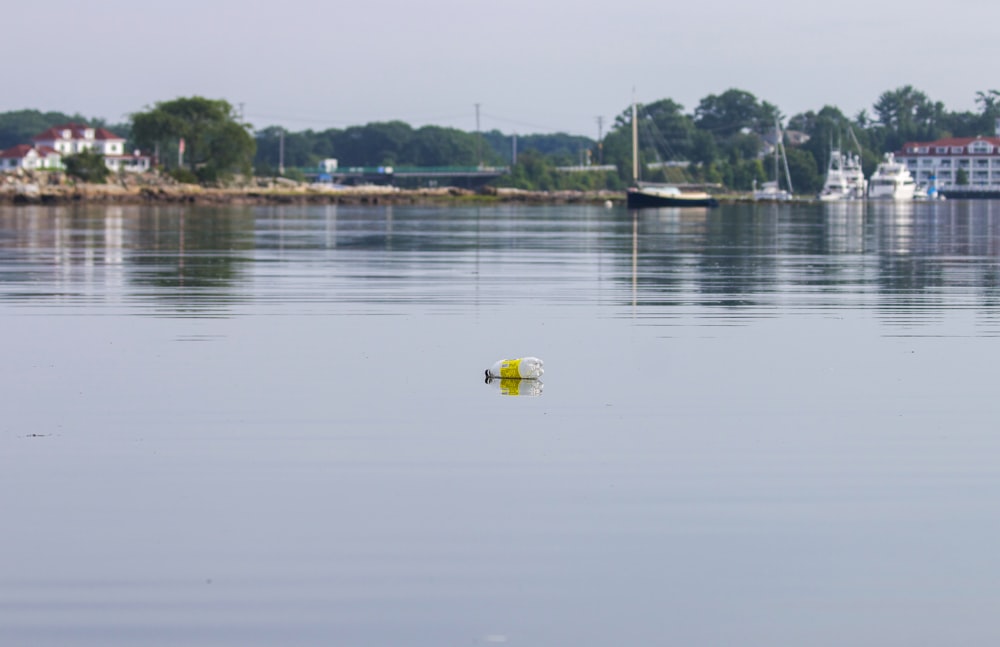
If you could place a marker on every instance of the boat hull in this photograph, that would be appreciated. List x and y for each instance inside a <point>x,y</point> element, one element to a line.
<point>637,199</point>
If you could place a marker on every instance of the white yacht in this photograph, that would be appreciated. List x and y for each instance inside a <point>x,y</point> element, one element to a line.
<point>844,178</point>
<point>891,181</point>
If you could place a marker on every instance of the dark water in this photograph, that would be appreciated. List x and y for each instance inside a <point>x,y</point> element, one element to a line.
<point>758,426</point>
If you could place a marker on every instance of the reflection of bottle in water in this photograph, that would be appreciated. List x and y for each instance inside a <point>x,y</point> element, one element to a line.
<point>525,368</point>
<point>517,386</point>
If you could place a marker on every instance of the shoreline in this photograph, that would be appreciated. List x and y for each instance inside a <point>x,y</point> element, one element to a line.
<point>40,194</point>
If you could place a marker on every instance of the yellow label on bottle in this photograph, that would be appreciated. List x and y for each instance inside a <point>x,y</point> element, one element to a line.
<point>510,387</point>
<point>509,368</point>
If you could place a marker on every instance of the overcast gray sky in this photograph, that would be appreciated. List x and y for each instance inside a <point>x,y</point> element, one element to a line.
<point>532,65</point>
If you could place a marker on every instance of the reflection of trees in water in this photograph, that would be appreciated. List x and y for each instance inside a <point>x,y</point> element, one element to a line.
<point>937,257</point>
<point>721,257</point>
<point>192,248</point>
<point>913,256</point>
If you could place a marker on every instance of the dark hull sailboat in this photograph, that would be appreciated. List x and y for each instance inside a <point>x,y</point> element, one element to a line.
<point>643,195</point>
<point>639,197</point>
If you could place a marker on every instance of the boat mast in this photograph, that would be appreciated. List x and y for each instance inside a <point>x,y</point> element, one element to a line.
<point>784,156</point>
<point>635,141</point>
<point>777,143</point>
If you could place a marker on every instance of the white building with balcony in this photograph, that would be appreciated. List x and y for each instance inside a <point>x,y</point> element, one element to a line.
<point>945,160</point>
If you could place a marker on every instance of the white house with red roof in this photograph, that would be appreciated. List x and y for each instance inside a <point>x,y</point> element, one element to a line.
<point>942,159</point>
<point>69,139</point>
<point>31,158</point>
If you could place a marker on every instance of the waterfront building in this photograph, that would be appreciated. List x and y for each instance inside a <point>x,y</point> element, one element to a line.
<point>49,147</point>
<point>30,158</point>
<point>943,161</point>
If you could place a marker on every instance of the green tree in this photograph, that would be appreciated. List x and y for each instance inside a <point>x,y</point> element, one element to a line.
<point>726,114</point>
<point>87,166</point>
<point>989,104</point>
<point>962,177</point>
<point>437,146</point>
<point>802,167</point>
<point>215,142</point>
<point>374,144</point>
<point>907,114</point>
<point>19,126</point>
<point>302,149</point>
<point>533,172</point>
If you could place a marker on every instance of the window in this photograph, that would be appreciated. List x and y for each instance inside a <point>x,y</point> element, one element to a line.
<point>945,163</point>
<point>941,150</point>
<point>957,150</point>
<point>922,149</point>
<point>980,147</point>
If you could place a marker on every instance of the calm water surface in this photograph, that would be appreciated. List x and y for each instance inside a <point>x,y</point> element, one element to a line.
<point>759,426</point>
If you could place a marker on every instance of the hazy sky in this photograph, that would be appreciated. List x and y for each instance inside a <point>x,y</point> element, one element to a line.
<point>532,65</point>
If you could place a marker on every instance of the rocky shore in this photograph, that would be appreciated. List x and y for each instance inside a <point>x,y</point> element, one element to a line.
<point>54,189</point>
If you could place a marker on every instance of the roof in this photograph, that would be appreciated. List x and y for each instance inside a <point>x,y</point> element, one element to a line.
<point>21,151</point>
<point>16,152</point>
<point>951,141</point>
<point>76,132</point>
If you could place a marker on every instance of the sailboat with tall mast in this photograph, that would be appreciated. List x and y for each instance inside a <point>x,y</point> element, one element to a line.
<point>647,194</point>
<point>772,191</point>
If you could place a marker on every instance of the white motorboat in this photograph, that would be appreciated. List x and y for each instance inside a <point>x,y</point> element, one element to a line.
<point>891,181</point>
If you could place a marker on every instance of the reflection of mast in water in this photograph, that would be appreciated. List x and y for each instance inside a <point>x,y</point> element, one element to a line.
<point>635,259</point>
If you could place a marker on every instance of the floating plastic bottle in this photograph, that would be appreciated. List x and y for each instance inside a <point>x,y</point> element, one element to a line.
<point>524,368</point>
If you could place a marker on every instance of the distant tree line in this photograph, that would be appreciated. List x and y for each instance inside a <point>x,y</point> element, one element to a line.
<point>721,141</point>
<point>19,126</point>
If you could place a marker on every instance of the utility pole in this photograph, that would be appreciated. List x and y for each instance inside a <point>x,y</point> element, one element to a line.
<point>600,140</point>
<point>241,112</point>
<point>479,139</point>
<point>513,146</point>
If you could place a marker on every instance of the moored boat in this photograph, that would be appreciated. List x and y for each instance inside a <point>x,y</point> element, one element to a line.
<point>891,181</point>
<point>647,194</point>
<point>664,195</point>
<point>844,178</point>
<point>772,191</point>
